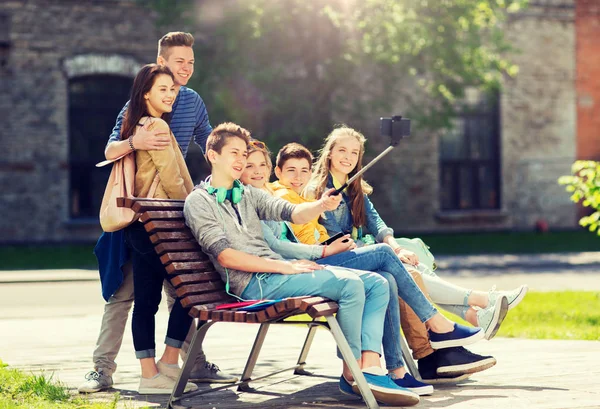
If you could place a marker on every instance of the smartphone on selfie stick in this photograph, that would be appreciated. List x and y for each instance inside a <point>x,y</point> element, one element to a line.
<point>394,128</point>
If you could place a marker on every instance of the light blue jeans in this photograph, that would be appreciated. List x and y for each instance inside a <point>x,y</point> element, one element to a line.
<point>381,259</point>
<point>358,294</point>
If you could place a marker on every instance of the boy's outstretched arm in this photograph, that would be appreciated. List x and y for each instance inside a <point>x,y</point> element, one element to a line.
<point>305,212</point>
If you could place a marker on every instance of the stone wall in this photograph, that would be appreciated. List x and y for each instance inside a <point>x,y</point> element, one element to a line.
<point>539,130</point>
<point>538,139</point>
<point>50,40</point>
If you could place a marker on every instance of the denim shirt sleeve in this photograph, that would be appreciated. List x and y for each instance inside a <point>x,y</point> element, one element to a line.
<point>375,225</point>
<point>287,249</point>
<point>329,221</point>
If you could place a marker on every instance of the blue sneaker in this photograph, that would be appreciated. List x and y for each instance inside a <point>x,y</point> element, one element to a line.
<point>346,388</point>
<point>460,336</point>
<point>385,390</point>
<point>410,383</point>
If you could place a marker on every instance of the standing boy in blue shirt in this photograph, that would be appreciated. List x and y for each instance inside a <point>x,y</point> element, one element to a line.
<point>189,121</point>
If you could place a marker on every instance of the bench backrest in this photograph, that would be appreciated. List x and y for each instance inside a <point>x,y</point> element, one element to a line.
<point>190,270</point>
<point>193,275</point>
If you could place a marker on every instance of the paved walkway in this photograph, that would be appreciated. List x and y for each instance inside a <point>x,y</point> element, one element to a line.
<point>49,321</point>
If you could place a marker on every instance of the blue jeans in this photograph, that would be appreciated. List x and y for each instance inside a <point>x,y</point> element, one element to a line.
<point>381,259</point>
<point>358,294</point>
<point>148,277</point>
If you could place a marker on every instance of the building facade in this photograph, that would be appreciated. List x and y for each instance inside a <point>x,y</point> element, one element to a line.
<point>498,169</point>
<point>66,67</point>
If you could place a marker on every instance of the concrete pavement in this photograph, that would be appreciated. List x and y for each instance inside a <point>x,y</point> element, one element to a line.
<point>49,321</point>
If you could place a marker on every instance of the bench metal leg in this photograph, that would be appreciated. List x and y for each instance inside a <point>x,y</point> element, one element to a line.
<point>190,360</point>
<point>258,343</point>
<point>408,359</point>
<point>342,344</point>
<point>312,330</point>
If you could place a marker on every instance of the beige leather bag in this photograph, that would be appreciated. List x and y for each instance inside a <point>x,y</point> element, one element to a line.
<point>121,183</point>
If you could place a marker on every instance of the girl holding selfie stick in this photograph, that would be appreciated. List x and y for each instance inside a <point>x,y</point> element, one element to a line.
<point>341,158</point>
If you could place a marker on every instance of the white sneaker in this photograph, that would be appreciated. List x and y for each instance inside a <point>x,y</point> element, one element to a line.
<point>172,371</point>
<point>161,385</point>
<point>491,317</point>
<point>514,297</point>
<point>95,381</point>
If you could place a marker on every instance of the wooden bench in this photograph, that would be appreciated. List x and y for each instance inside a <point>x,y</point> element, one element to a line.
<point>202,290</point>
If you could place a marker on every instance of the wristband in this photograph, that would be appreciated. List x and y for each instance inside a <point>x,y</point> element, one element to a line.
<point>130,139</point>
<point>324,249</point>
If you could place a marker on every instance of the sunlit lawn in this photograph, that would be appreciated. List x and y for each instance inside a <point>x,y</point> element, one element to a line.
<point>27,391</point>
<point>549,315</point>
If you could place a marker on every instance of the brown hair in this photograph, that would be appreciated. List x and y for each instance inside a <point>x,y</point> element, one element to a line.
<point>138,107</point>
<point>357,189</point>
<point>219,135</point>
<point>174,39</point>
<point>293,151</point>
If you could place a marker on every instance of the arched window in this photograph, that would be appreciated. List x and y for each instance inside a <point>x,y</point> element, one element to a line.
<point>94,103</point>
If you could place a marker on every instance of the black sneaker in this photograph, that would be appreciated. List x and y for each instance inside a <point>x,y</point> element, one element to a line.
<point>428,371</point>
<point>459,361</point>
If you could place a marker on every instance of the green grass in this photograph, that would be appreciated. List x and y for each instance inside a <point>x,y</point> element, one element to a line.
<point>28,391</point>
<point>573,315</point>
<point>554,315</point>
<point>47,257</point>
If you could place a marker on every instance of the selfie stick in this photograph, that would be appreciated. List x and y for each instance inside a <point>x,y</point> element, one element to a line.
<point>387,128</point>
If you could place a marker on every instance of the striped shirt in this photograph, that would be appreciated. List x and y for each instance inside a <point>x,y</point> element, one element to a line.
<point>189,120</point>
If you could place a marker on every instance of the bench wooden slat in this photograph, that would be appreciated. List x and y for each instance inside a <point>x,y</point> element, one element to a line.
<point>191,289</point>
<point>171,247</point>
<point>175,215</point>
<point>320,310</point>
<point>147,205</point>
<point>183,256</point>
<point>216,297</point>
<point>290,304</point>
<point>194,278</point>
<point>144,204</point>
<point>240,316</point>
<point>154,226</point>
<point>161,237</point>
<point>306,303</point>
<point>185,267</point>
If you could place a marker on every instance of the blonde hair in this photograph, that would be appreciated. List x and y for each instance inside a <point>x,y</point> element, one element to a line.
<point>357,189</point>
<point>254,145</point>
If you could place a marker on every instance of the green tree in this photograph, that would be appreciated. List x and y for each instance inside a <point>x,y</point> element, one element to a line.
<point>584,186</point>
<point>283,67</point>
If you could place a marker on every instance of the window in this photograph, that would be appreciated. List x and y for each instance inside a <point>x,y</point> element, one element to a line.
<point>5,43</point>
<point>94,103</point>
<point>469,158</point>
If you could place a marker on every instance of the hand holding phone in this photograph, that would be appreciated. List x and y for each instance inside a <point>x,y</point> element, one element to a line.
<point>339,244</point>
<point>332,239</point>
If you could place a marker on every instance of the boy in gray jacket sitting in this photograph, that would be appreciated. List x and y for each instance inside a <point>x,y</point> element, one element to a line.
<point>224,216</point>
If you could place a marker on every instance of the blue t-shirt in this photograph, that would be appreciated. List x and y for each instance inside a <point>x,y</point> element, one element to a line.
<point>189,120</point>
